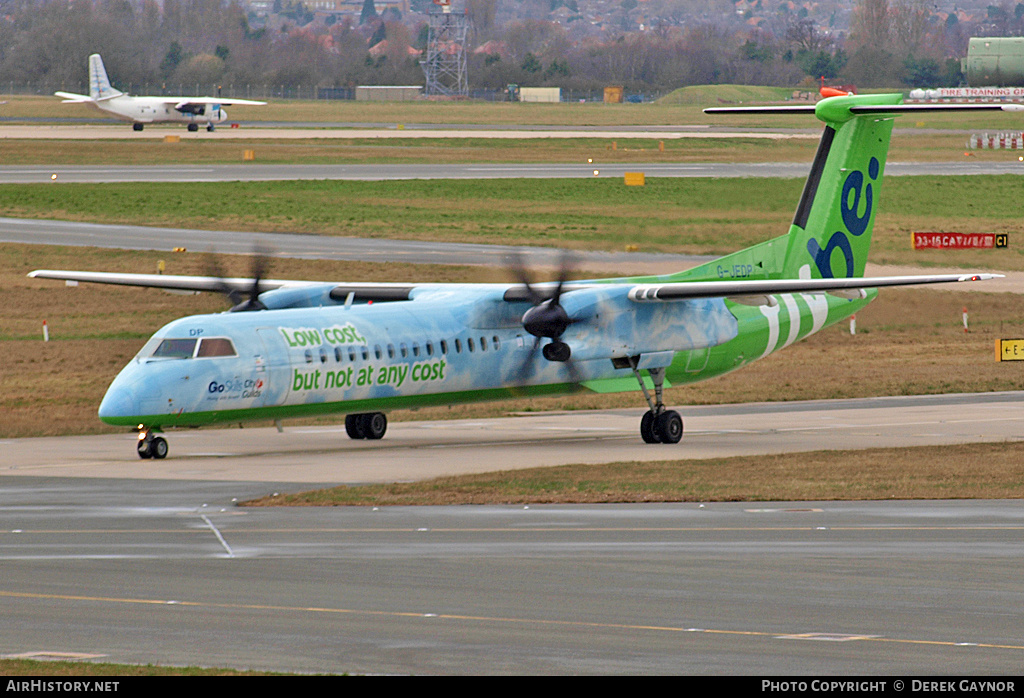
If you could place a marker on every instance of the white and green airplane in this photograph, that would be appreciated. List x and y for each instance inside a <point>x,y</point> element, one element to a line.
<point>298,348</point>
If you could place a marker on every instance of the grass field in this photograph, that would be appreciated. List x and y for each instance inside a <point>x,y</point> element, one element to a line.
<point>682,215</point>
<point>970,471</point>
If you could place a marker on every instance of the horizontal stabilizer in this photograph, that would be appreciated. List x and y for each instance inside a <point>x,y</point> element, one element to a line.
<point>72,98</point>
<point>868,108</point>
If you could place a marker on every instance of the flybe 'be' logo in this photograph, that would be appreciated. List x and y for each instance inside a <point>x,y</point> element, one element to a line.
<point>855,223</point>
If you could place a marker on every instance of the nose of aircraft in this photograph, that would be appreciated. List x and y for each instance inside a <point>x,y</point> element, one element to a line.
<point>118,404</point>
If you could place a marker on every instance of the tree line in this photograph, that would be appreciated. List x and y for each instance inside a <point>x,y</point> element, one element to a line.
<point>217,42</point>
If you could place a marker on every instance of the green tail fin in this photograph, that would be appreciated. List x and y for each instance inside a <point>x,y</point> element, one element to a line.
<point>831,231</point>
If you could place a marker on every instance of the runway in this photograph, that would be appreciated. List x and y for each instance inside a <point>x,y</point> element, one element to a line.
<point>171,572</point>
<point>116,559</point>
<point>66,174</point>
<point>423,449</point>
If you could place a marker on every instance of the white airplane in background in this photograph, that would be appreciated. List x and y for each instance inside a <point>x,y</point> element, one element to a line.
<point>147,110</point>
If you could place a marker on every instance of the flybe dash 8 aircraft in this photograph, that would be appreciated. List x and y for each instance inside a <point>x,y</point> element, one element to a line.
<point>299,348</point>
<point>193,111</point>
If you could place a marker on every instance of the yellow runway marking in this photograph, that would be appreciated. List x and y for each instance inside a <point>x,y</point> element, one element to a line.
<point>477,619</point>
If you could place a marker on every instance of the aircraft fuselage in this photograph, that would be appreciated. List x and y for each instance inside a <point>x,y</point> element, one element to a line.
<point>438,350</point>
<point>147,110</point>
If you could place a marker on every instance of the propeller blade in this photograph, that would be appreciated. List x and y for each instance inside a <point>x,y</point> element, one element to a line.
<point>243,300</point>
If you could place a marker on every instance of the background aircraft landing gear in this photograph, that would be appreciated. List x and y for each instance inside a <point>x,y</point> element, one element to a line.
<point>151,446</point>
<point>369,425</point>
<point>193,127</point>
<point>210,128</point>
<point>137,127</point>
<point>658,425</point>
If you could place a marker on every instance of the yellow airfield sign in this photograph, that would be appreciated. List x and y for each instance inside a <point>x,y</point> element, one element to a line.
<point>1010,350</point>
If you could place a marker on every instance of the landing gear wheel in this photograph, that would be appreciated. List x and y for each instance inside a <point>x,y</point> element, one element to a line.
<point>648,428</point>
<point>193,127</point>
<point>150,446</point>
<point>136,127</point>
<point>159,447</point>
<point>669,426</point>
<point>374,425</point>
<point>354,426</point>
<point>209,128</point>
<point>368,425</point>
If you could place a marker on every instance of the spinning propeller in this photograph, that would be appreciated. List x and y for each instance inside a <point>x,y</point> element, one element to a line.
<point>546,319</point>
<point>248,299</point>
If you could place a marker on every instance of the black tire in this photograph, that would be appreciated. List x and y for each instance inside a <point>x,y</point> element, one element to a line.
<point>193,127</point>
<point>136,127</point>
<point>354,426</point>
<point>374,425</point>
<point>158,447</point>
<point>649,429</point>
<point>143,447</point>
<point>670,427</point>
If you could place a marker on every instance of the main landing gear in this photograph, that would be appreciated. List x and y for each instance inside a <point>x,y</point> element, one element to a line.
<point>151,446</point>
<point>658,425</point>
<point>368,425</point>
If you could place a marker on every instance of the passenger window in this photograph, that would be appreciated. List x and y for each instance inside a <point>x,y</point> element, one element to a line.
<point>483,344</point>
<point>338,355</point>
<point>495,343</point>
<point>351,353</point>
<point>415,349</point>
<point>377,351</point>
<point>323,355</point>
<point>458,346</point>
<point>430,349</point>
<point>404,349</point>
<point>391,351</point>
<point>175,349</point>
<point>366,353</point>
<point>444,346</point>
<point>469,343</point>
<point>309,356</point>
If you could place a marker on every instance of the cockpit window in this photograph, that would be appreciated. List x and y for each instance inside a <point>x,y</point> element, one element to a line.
<point>186,348</point>
<point>175,349</point>
<point>216,346</point>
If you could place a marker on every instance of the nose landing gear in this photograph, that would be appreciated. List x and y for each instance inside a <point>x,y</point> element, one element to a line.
<point>151,446</point>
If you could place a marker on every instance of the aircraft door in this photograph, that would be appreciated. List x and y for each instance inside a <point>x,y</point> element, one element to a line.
<point>272,368</point>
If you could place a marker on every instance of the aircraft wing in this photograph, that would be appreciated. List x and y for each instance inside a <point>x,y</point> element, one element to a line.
<point>183,102</point>
<point>167,281</point>
<point>759,292</point>
<point>215,284</point>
